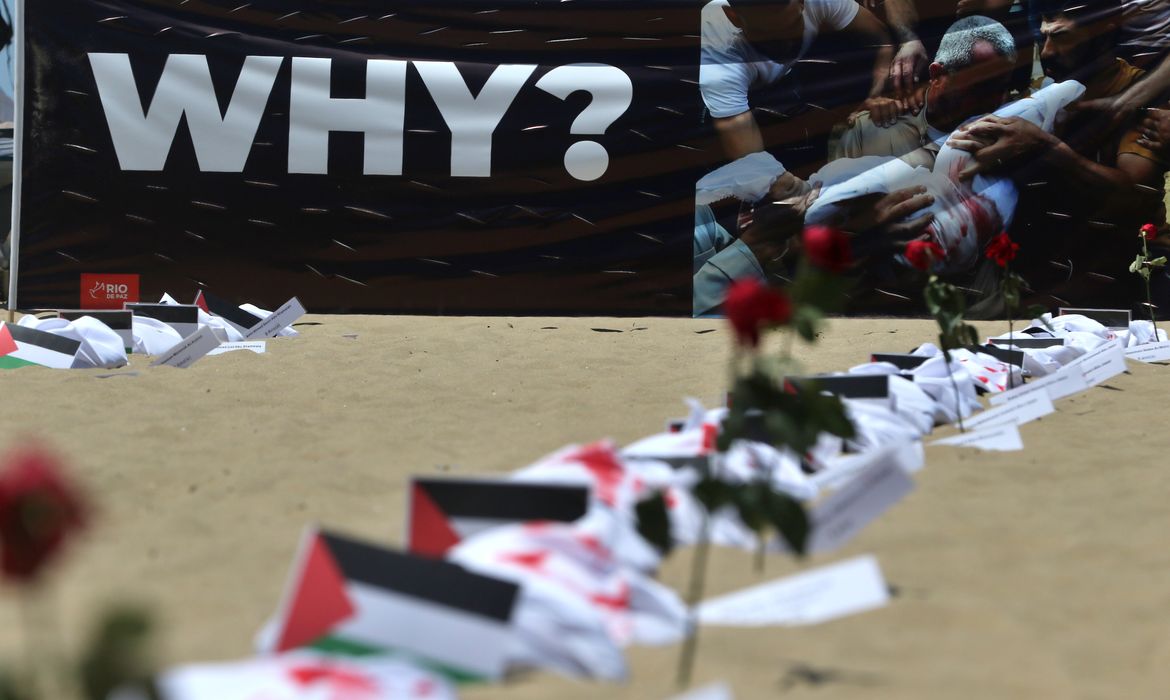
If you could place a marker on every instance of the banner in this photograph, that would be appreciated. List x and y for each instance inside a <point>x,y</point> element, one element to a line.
<point>584,157</point>
<point>453,157</point>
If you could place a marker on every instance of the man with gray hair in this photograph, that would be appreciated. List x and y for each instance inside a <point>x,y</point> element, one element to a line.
<point>968,78</point>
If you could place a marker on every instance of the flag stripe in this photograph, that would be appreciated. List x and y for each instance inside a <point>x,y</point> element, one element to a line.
<point>26,337</point>
<point>115,320</point>
<point>433,631</point>
<point>10,362</point>
<point>432,580</point>
<point>167,313</point>
<point>228,311</point>
<point>504,500</point>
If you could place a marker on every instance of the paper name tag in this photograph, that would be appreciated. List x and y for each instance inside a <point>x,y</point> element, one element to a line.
<point>838,471</point>
<point>1024,410</point>
<point>1057,385</point>
<point>1110,318</point>
<point>189,349</point>
<point>845,588</point>
<point>120,321</point>
<point>1002,438</point>
<point>1100,364</point>
<point>1149,352</point>
<point>842,515</point>
<point>901,361</point>
<point>850,386</point>
<point>1026,343</point>
<point>184,318</point>
<point>256,346</point>
<point>282,317</point>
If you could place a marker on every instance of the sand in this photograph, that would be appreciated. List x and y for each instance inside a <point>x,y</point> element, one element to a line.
<point>1035,574</point>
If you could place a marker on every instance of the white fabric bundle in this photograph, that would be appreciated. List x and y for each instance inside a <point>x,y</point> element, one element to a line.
<point>101,346</point>
<point>748,179</point>
<point>579,600</point>
<point>301,675</point>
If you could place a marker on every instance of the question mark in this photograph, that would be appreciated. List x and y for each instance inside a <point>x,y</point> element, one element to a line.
<point>612,92</point>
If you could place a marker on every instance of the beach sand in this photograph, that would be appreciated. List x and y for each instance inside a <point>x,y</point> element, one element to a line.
<point>1034,574</point>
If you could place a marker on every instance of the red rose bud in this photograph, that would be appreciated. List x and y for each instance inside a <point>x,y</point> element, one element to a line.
<point>827,248</point>
<point>1149,232</point>
<point>922,254</point>
<point>751,305</point>
<point>38,510</point>
<point>1002,250</point>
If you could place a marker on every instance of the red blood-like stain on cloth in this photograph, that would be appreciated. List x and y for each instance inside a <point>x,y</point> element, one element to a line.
<point>599,460</point>
<point>618,601</point>
<point>337,679</point>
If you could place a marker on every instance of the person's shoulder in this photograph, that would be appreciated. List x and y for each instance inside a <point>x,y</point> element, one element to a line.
<point>836,12</point>
<point>717,31</point>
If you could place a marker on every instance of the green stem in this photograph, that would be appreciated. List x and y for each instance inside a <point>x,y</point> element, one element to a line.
<point>955,386</point>
<point>1012,335</point>
<point>686,661</point>
<point>32,650</point>
<point>1149,296</point>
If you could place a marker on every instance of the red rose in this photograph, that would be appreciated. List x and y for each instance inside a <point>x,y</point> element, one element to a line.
<point>751,305</point>
<point>38,509</point>
<point>1002,250</point>
<point>922,254</point>
<point>827,248</point>
<point>1149,231</point>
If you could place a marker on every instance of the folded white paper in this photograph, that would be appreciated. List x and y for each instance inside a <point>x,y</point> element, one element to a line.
<point>1149,352</point>
<point>1001,438</point>
<point>820,595</point>
<point>846,512</point>
<point>1023,410</point>
<point>1057,385</point>
<point>256,346</point>
<point>188,350</point>
<point>1099,364</point>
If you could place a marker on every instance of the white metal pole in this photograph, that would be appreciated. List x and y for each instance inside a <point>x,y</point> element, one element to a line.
<point>17,149</point>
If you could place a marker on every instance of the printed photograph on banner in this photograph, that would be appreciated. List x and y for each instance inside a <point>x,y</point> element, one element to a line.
<point>911,121</point>
<point>442,162</point>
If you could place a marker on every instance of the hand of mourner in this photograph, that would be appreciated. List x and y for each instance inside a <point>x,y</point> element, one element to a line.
<point>998,143</point>
<point>767,226</point>
<point>883,111</point>
<point>888,215</point>
<point>908,67</point>
<point>1155,131</point>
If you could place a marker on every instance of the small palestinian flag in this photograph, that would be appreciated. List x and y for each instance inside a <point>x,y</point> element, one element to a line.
<point>347,596</point>
<point>218,306</point>
<point>443,512</point>
<point>21,346</point>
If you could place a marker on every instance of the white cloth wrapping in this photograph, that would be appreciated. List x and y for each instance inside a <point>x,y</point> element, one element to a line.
<point>748,179</point>
<point>226,332</point>
<point>1040,362</point>
<point>940,381</point>
<point>153,337</point>
<point>966,215</point>
<point>301,675</point>
<point>580,602</point>
<point>101,346</point>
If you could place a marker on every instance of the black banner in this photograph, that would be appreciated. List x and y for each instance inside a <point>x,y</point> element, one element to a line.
<point>584,156</point>
<point>454,157</point>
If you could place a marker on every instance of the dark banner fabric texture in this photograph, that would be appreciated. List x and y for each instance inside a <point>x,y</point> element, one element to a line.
<point>447,157</point>
<point>590,156</point>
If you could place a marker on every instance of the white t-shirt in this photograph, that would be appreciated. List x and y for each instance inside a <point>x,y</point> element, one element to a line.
<point>729,66</point>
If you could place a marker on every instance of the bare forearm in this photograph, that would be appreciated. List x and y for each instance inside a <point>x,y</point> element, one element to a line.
<point>881,69</point>
<point>740,135</point>
<point>902,17</point>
